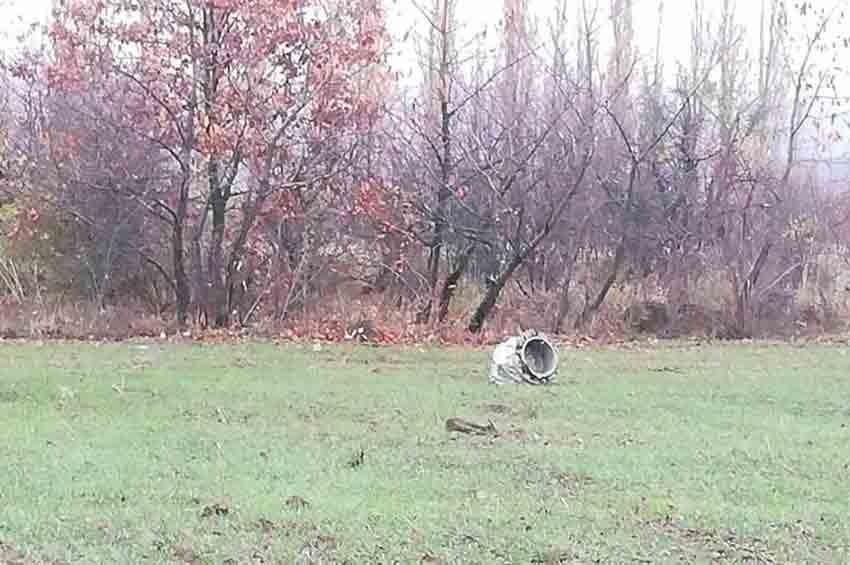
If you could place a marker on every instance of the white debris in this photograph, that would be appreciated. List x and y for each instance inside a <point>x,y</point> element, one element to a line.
<point>528,358</point>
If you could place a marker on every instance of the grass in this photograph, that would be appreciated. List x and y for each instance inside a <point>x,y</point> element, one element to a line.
<point>230,454</point>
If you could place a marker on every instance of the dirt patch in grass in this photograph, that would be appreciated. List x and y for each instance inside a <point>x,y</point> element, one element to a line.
<point>798,539</point>
<point>318,549</point>
<point>379,362</point>
<point>716,546</point>
<point>9,396</point>
<point>504,410</point>
<point>500,409</point>
<point>186,555</point>
<point>573,483</point>
<point>789,543</point>
<point>556,556</point>
<point>10,556</point>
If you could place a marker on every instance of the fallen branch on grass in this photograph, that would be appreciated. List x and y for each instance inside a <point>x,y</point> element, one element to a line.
<point>466,427</point>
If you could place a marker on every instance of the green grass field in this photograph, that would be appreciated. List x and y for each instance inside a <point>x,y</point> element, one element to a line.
<point>231,454</point>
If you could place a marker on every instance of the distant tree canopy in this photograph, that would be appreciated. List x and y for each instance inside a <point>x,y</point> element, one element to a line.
<point>237,160</point>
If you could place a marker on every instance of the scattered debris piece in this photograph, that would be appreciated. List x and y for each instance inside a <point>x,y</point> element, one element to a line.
<point>467,427</point>
<point>363,331</point>
<point>357,460</point>
<point>498,408</point>
<point>186,555</point>
<point>317,550</point>
<point>666,369</point>
<point>266,525</point>
<point>429,558</point>
<point>297,503</point>
<point>215,510</point>
<point>554,557</point>
<point>11,556</point>
<point>528,358</point>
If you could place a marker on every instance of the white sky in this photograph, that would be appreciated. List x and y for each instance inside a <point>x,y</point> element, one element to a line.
<point>406,21</point>
<point>475,15</point>
<point>15,15</point>
<point>407,24</point>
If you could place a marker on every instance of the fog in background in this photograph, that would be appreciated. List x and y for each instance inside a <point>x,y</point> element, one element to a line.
<point>479,23</point>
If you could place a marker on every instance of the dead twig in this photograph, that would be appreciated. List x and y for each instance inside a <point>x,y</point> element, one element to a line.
<point>466,427</point>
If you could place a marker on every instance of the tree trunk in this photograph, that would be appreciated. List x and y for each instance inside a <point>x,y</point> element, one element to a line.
<point>450,286</point>
<point>563,305</point>
<point>232,275</point>
<point>182,294</point>
<point>218,291</point>
<point>444,158</point>
<point>492,295</point>
<point>744,296</point>
<point>439,219</point>
<point>592,308</point>
<point>424,314</point>
<point>564,300</point>
<point>199,273</point>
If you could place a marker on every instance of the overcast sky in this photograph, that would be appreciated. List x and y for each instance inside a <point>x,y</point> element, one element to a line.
<point>15,15</point>
<point>475,15</point>
<point>407,24</point>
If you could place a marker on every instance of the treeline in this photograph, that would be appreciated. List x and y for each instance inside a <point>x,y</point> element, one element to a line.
<point>235,162</point>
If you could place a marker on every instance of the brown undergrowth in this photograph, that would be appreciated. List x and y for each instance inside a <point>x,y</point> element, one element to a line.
<point>627,315</point>
<point>11,556</point>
